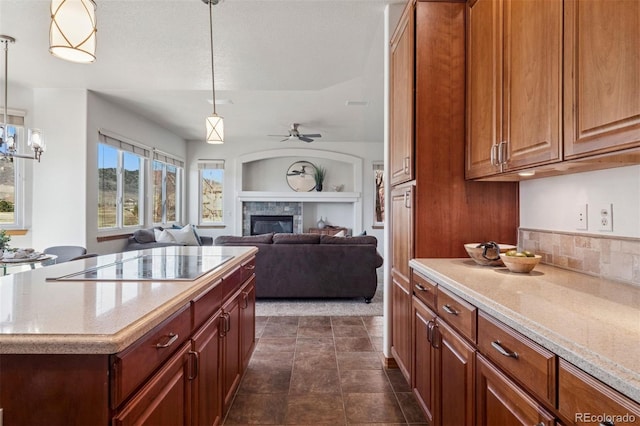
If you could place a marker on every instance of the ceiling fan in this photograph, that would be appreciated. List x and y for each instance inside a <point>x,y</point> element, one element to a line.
<point>295,134</point>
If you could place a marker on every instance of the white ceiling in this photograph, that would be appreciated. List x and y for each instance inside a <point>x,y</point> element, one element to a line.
<point>278,61</point>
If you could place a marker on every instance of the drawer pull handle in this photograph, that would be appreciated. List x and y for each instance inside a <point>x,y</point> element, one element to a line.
<point>420,287</point>
<point>448,309</point>
<point>249,267</point>
<point>196,364</point>
<point>172,338</point>
<point>607,423</point>
<point>498,347</point>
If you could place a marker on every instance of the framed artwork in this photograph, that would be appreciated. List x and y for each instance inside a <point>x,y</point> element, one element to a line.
<point>300,176</point>
<point>378,195</point>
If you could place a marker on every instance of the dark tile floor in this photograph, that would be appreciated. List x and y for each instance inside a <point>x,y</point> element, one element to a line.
<point>321,370</point>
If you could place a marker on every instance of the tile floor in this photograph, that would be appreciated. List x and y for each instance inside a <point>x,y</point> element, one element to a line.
<point>321,370</point>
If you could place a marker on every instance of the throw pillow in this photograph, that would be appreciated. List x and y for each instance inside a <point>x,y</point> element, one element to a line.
<point>233,240</point>
<point>339,234</point>
<point>184,235</point>
<point>164,236</point>
<point>362,233</point>
<point>144,236</point>
<point>331,239</point>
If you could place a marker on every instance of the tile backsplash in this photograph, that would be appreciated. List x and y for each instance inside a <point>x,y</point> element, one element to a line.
<point>615,258</point>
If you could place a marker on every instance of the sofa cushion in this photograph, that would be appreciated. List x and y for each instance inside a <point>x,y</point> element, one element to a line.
<point>364,239</point>
<point>296,239</point>
<point>185,235</point>
<point>164,236</point>
<point>248,240</point>
<point>143,236</point>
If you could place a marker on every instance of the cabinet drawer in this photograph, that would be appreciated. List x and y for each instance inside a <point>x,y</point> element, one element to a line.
<point>523,359</point>
<point>207,304</point>
<point>458,313</point>
<point>231,282</point>
<point>248,268</point>
<point>424,289</point>
<point>132,366</point>
<point>580,395</point>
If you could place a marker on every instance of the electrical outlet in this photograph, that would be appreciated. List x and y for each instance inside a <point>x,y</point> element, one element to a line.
<point>605,221</point>
<point>581,217</point>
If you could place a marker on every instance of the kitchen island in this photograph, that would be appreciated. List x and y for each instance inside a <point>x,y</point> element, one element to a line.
<point>571,322</point>
<point>113,339</point>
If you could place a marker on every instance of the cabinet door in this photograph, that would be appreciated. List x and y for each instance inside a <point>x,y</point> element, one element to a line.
<point>484,87</point>
<point>401,99</point>
<point>165,400</point>
<point>602,76</point>
<point>499,401</point>
<point>402,201</point>
<point>207,398</point>
<point>401,327</point>
<point>532,115</point>
<point>424,365</point>
<point>231,362</point>
<point>248,320</point>
<point>456,364</point>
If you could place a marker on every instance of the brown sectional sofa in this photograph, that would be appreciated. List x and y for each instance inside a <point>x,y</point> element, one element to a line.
<point>312,266</point>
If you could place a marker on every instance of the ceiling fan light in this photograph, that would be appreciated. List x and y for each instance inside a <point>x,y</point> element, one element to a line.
<point>215,129</point>
<point>72,34</point>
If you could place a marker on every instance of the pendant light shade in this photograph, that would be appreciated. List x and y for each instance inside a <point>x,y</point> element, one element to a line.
<point>215,129</point>
<point>215,123</point>
<point>72,35</point>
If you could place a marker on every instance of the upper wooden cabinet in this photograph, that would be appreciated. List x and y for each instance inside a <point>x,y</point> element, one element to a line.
<point>401,98</point>
<point>602,76</point>
<point>514,91</point>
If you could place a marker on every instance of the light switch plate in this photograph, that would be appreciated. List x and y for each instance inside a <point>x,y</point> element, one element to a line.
<point>580,216</point>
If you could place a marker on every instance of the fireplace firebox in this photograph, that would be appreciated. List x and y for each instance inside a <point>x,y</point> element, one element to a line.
<point>263,224</point>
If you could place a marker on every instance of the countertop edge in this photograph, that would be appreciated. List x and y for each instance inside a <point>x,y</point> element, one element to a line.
<point>101,344</point>
<point>599,367</point>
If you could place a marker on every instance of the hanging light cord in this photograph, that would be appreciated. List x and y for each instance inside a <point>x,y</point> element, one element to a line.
<point>213,84</point>
<point>6,72</point>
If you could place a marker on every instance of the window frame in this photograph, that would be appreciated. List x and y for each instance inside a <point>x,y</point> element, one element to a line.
<point>204,165</point>
<point>166,162</point>
<point>19,170</point>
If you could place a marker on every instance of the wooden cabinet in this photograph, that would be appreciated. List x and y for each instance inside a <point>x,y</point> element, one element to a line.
<point>602,76</point>
<point>500,401</point>
<point>514,85</point>
<point>401,98</point>
<point>207,403</point>
<point>230,349</point>
<point>247,320</point>
<point>582,399</point>
<point>435,214</point>
<point>444,368</point>
<point>165,398</point>
<point>402,251</point>
<point>333,230</point>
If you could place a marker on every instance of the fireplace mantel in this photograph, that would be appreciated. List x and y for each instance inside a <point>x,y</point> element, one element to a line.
<point>311,197</point>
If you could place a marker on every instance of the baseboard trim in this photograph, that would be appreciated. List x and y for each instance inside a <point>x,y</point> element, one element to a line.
<point>389,362</point>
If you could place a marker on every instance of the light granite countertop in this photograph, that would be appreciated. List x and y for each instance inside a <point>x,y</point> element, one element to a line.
<point>100,317</point>
<point>591,322</point>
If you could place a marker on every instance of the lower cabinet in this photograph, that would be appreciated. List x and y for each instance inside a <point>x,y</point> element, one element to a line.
<point>401,327</point>
<point>247,319</point>
<point>444,367</point>
<point>164,399</point>
<point>207,403</point>
<point>230,349</point>
<point>502,402</point>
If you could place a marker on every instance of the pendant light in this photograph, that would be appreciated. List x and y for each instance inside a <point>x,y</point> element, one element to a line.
<point>214,123</point>
<point>72,34</point>
<point>8,132</point>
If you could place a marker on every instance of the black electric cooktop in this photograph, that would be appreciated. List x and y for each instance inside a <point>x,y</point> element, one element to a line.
<point>150,267</point>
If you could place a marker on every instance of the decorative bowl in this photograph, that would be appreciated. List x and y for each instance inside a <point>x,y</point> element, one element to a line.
<point>520,264</point>
<point>490,258</point>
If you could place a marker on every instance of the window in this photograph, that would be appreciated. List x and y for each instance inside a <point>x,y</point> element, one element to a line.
<point>167,184</point>
<point>378,195</point>
<point>10,182</point>
<point>211,175</point>
<point>120,183</point>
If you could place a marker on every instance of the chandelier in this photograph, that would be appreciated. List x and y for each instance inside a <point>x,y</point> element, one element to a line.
<point>214,123</point>
<point>8,142</point>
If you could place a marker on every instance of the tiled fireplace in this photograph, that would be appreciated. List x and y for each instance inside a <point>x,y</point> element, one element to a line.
<point>276,208</point>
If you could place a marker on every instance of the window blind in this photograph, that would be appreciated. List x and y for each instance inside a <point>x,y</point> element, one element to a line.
<point>124,143</point>
<point>163,157</point>
<point>210,164</point>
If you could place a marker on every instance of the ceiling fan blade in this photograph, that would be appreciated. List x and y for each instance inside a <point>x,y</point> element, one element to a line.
<point>284,140</point>
<point>279,136</point>
<point>315,135</point>
<point>305,139</point>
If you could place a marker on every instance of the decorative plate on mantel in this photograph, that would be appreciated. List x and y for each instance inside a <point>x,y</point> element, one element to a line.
<point>300,176</point>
